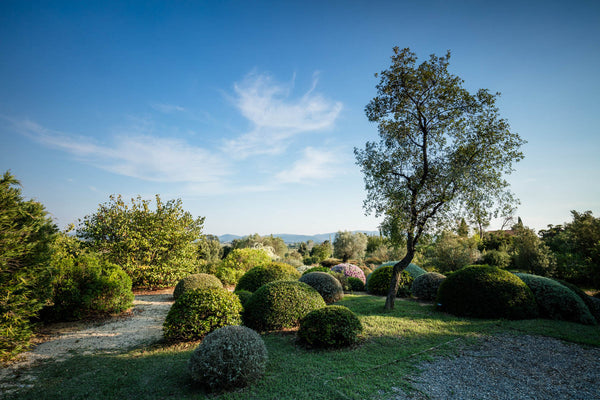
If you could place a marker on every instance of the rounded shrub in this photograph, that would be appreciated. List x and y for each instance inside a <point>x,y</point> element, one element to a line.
<point>330,327</point>
<point>280,304</point>
<point>199,312</point>
<point>350,270</point>
<point>592,303</point>
<point>482,291</point>
<point>497,258</point>
<point>228,358</point>
<point>316,269</point>
<point>196,281</point>
<point>258,276</point>
<point>378,282</point>
<point>356,285</point>
<point>238,262</point>
<point>556,301</point>
<point>328,287</point>
<point>426,286</point>
<point>243,295</point>
<point>413,269</point>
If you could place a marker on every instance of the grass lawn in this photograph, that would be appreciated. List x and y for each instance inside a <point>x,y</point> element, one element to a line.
<point>393,344</point>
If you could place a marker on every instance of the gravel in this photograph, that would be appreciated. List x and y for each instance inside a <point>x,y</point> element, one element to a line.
<point>509,367</point>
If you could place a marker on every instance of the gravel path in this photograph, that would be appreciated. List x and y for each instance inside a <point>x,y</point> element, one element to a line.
<point>510,367</point>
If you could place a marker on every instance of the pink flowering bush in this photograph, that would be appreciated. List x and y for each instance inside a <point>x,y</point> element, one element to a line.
<point>350,270</point>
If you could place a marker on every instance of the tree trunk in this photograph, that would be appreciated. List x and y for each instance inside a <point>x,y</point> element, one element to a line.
<point>398,268</point>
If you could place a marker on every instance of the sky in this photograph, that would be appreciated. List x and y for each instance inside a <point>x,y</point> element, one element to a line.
<point>249,111</point>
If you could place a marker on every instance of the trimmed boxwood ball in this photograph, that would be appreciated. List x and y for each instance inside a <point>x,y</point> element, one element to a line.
<point>258,276</point>
<point>228,358</point>
<point>330,327</point>
<point>196,281</point>
<point>200,311</point>
<point>316,269</point>
<point>244,295</point>
<point>356,285</point>
<point>328,286</point>
<point>378,282</point>
<point>482,291</point>
<point>592,303</point>
<point>413,269</point>
<point>426,286</point>
<point>556,301</point>
<point>280,304</point>
<point>350,270</point>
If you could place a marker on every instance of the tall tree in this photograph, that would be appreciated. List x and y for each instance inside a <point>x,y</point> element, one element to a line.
<point>442,151</point>
<point>347,245</point>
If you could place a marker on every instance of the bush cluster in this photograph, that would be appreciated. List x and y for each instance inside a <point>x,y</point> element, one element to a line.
<point>261,275</point>
<point>350,270</point>
<point>328,287</point>
<point>556,301</point>
<point>482,291</point>
<point>238,262</point>
<point>196,281</point>
<point>280,304</point>
<point>199,312</point>
<point>330,327</point>
<point>243,295</point>
<point>426,286</point>
<point>228,358</point>
<point>378,282</point>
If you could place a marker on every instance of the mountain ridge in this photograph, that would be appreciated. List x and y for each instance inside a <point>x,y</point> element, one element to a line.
<point>290,238</point>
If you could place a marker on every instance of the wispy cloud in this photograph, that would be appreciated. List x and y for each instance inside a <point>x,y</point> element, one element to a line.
<point>315,165</point>
<point>276,116</point>
<point>140,156</point>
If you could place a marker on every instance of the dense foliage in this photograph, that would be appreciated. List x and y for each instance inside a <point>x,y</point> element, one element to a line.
<point>486,292</point>
<point>316,269</point>
<point>26,232</point>
<point>209,249</point>
<point>348,245</point>
<point>531,253</point>
<point>426,286</point>
<point>350,270</point>
<point>592,303</point>
<point>451,252</point>
<point>356,285</point>
<point>272,244</point>
<point>199,312</point>
<point>412,269</point>
<point>196,281</point>
<point>280,304</point>
<point>238,262</point>
<point>155,247</point>
<point>330,327</point>
<point>328,286</point>
<point>378,282</point>
<point>556,301</point>
<point>496,258</point>
<point>243,295</point>
<point>228,358</point>
<point>258,276</point>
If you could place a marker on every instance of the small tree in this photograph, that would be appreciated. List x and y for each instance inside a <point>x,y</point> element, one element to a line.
<point>442,151</point>
<point>347,245</point>
<point>322,251</point>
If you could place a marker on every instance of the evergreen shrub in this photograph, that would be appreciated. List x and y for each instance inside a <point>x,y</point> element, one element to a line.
<point>378,282</point>
<point>196,281</point>
<point>328,287</point>
<point>258,276</point>
<point>497,258</point>
<point>316,269</point>
<point>426,286</point>
<point>243,295</point>
<point>330,327</point>
<point>356,285</point>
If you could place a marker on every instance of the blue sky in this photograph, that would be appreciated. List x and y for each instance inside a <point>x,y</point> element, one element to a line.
<point>249,111</point>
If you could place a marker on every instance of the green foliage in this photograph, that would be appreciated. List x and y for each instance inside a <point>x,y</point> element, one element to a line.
<point>243,295</point>
<point>497,240</point>
<point>452,252</point>
<point>426,286</point>
<point>497,258</point>
<point>482,291</point>
<point>330,262</point>
<point>199,312</point>
<point>316,269</point>
<point>531,254</point>
<point>328,286</point>
<point>155,247</point>
<point>341,278</point>
<point>322,251</point>
<point>442,150</point>
<point>26,233</point>
<point>592,303</point>
<point>556,301</point>
<point>413,269</point>
<point>280,304</point>
<point>356,285</point>
<point>347,245</point>
<point>378,282</point>
<point>258,276</point>
<point>238,262</point>
<point>330,327</point>
<point>274,244</point>
<point>228,358</point>
<point>209,248</point>
<point>196,281</point>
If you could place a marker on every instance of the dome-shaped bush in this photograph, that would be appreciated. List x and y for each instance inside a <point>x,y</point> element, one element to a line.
<point>413,269</point>
<point>331,327</point>
<point>482,291</point>
<point>280,304</point>
<point>378,282</point>
<point>556,301</point>
<point>350,270</point>
<point>200,311</point>
<point>196,281</point>
<point>258,276</point>
<point>243,295</point>
<point>426,286</point>
<point>230,357</point>
<point>328,287</point>
<point>592,303</point>
<point>356,285</point>
<point>316,269</point>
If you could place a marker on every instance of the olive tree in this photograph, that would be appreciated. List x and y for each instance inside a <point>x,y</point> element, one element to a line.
<point>347,245</point>
<point>442,151</point>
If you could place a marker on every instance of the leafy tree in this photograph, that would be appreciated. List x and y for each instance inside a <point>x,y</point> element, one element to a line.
<point>238,262</point>
<point>257,241</point>
<point>452,252</point>
<point>155,247</point>
<point>530,253</point>
<point>442,151</point>
<point>322,251</point>
<point>463,229</point>
<point>347,245</point>
<point>209,248</point>
<point>26,233</point>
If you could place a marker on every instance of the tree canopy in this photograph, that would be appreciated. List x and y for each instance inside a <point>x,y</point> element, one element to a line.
<point>442,151</point>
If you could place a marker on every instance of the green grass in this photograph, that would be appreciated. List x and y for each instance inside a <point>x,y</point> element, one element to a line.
<point>392,345</point>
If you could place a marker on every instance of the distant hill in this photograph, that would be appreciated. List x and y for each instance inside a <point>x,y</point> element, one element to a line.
<point>289,238</point>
